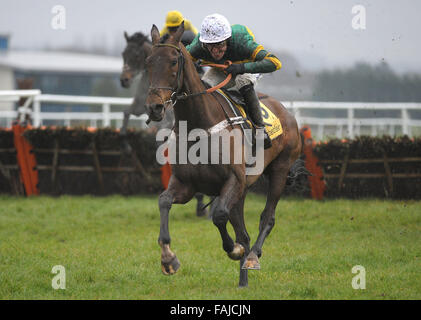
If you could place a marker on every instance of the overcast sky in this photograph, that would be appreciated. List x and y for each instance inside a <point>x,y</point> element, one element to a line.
<point>319,33</point>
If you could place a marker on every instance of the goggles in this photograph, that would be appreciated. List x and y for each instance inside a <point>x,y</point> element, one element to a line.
<point>218,45</point>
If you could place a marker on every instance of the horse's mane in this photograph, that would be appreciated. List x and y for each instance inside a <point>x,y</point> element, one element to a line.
<point>139,38</point>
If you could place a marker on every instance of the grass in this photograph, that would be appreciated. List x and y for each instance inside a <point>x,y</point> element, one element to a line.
<point>109,249</point>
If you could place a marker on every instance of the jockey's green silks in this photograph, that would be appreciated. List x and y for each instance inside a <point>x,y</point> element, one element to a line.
<point>241,48</point>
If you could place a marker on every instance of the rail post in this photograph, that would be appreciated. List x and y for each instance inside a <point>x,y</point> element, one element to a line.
<point>405,118</point>
<point>36,114</point>
<point>106,114</point>
<point>351,123</point>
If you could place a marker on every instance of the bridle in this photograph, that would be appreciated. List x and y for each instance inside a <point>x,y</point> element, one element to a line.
<point>176,91</point>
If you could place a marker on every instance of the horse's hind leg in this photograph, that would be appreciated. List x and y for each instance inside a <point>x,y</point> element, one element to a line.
<point>231,193</point>
<point>175,193</point>
<point>277,172</point>
<point>236,217</point>
<point>200,212</point>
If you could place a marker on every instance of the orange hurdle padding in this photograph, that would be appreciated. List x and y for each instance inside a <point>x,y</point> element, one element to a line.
<point>31,162</point>
<point>316,181</point>
<point>26,160</point>
<point>165,172</point>
<point>165,175</point>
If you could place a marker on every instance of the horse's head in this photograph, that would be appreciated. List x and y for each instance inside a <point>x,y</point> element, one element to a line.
<point>134,56</point>
<point>165,71</point>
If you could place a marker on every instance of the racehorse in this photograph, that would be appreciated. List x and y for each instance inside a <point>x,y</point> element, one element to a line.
<point>137,49</point>
<point>174,81</point>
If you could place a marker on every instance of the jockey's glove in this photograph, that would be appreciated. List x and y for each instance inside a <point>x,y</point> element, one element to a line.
<point>236,69</point>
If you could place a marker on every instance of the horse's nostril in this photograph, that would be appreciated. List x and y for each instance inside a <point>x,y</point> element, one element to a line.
<point>155,111</point>
<point>124,82</point>
<point>158,108</point>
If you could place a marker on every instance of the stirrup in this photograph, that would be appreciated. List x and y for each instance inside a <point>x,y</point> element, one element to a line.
<point>266,140</point>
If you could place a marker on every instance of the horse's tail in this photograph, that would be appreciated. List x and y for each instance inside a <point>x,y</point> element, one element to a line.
<point>297,169</point>
<point>297,180</point>
<point>302,143</point>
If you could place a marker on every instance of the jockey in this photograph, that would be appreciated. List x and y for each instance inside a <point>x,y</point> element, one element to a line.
<point>173,21</point>
<point>217,42</point>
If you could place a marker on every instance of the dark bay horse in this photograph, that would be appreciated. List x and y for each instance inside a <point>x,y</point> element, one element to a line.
<point>137,49</point>
<point>172,75</point>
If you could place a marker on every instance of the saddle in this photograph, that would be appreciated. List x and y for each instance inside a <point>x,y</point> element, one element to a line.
<point>236,102</point>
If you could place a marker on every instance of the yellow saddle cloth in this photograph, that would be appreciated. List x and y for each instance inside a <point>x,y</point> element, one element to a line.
<point>273,125</point>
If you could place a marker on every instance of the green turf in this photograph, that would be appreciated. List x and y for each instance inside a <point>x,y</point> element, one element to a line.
<point>109,249</point>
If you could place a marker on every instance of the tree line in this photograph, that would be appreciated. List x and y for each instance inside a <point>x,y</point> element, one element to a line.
<point>367,83</point>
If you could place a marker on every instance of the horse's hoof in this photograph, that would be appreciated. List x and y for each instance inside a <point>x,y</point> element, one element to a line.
<point>237,253</point>
<point>171,267</point>
<point>252,262</point>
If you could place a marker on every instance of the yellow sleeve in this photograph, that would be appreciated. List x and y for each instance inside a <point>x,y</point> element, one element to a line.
<point>163,31</point>
<point>189,26</point>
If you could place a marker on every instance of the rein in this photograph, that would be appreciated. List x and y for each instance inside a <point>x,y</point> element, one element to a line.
<point>175,96</point>
<point>218,86</point>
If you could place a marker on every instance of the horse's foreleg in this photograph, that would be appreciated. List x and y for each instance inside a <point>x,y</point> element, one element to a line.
<point>175,193</point>
<point>123,132</point>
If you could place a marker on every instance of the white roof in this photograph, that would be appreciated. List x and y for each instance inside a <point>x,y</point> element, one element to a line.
<point>55,61</point>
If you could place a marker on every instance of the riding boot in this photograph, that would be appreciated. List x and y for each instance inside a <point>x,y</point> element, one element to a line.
<point>254,112</point>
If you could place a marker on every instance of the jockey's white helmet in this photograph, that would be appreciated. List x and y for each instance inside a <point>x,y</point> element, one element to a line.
<point>215,28</point>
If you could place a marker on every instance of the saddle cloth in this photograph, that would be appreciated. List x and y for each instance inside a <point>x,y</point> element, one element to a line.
<point>273,125</point>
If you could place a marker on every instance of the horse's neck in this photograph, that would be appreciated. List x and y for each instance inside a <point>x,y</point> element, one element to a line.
<point>141,93</point>
<point>147,47</point>
<point>201,111</point>
<point>194,110</point>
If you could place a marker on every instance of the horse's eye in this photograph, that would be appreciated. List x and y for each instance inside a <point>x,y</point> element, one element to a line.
<point>173,62</point>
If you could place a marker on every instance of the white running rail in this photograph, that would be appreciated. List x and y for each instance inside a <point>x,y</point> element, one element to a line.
<point>98,118</point>
<point>340,127</point>
<point>350,125</point>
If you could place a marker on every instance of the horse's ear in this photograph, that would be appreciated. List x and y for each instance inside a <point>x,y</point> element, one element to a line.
<point>126,36</point>
<point>155,35</point>
<point>179,33</point>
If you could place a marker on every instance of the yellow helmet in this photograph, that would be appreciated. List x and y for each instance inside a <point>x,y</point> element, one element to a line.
<point>174,19</point>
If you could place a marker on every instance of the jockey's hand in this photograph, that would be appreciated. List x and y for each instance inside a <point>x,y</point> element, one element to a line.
<point>235,69</point>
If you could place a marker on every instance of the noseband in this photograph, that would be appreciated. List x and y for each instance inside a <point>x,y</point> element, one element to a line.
<point>179,82</point>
